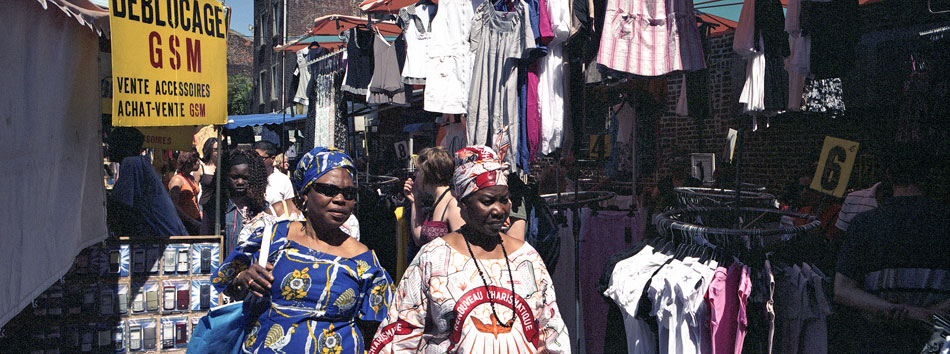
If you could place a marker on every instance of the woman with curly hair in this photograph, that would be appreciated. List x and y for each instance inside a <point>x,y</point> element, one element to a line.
<point>245,181</point>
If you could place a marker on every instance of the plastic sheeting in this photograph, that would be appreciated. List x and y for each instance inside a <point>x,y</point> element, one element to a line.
<point>52,184</point>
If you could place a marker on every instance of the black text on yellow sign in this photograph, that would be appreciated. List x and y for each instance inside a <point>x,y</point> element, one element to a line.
<point>599,147</point>
<point>169,62</point>
<point>834,166</point>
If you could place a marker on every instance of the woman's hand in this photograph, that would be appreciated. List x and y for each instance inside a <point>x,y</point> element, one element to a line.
<point>407,190</point>
<point>256,279</point>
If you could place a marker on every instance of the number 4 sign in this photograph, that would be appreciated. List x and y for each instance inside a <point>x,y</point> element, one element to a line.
<point>834,166</point>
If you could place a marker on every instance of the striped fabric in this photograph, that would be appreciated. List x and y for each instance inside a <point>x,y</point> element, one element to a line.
<point>650,37</point>
<point>856,203</point>
<point>913,286</point>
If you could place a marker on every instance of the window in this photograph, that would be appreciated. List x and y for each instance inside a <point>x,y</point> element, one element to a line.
<point>276,17</point>
<point>273,81</point>
<point>260,86</point>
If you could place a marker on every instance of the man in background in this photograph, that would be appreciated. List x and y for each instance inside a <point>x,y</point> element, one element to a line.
<point>278,184</point>
<point>894,265</point>
<point>138,204</point>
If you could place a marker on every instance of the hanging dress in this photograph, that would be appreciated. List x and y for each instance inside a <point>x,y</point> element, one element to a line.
<point>499,40</point>
<point>386,87</point>
<point>359,65</point>
<point>650,38</point>
<point>417,25</point>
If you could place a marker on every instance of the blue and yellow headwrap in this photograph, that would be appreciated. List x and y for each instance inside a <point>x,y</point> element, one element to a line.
<point>317,163</point>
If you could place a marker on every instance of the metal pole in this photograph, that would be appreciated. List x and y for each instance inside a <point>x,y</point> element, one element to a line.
<point>738,165</point>
<point>283,73</point>
<point>217,187</point>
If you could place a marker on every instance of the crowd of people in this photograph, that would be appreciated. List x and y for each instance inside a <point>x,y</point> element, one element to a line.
<point>321,287</point>
<point>474,284</point>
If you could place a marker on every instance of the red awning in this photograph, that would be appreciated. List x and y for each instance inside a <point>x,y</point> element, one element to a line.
<point>725,25</point>
<point>328,31</point>
<point>386,6</point>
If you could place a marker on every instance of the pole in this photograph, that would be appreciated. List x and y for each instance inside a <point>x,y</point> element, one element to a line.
<point>217,187</point>
<point>283,73</point>
<point>738,162</point>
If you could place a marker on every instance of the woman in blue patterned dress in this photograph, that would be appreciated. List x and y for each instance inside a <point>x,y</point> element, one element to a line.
<point>319,281</point>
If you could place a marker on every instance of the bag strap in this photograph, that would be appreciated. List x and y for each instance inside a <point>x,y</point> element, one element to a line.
<point>266,239</point>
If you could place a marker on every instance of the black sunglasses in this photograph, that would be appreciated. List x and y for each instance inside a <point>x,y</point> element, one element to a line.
<point>329,190</point>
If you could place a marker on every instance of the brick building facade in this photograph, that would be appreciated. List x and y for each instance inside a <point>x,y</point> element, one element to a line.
<point>268,22</point>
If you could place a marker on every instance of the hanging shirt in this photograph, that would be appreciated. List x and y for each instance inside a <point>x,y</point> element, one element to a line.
<point>449,69</point>
<point>442,306</point>
<point>359,65</point>
<point>386,87</point>
<point>650,38</point>
<point>417,25</point>
<point>552,86</point>
<point>300,95</point>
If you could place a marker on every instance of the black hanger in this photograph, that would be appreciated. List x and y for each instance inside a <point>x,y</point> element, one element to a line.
<point>314,44</point>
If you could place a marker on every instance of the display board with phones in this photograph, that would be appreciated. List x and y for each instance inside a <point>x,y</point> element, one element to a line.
<point>124,296</point>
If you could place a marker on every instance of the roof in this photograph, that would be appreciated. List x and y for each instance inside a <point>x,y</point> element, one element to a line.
<point>260,119</point>
<point>328,30</point>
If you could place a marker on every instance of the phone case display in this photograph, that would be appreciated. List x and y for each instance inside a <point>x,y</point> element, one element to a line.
<point>171,290</point>
<point>122,296</point>
<point>203,295</point>
<point>174,332</point>
<point>118,338</point>
<point>204,258</point>
<point>151,290</point>
<point>142,334</point>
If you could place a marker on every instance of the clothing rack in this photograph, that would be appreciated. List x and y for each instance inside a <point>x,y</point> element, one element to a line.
<point>322,58</point>
<point>673,220</point>
<point>575,201</point>
<point>712,197</point>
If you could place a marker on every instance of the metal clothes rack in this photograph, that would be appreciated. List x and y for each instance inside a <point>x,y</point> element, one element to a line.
<point>575,201</point>
<point>712,197</point>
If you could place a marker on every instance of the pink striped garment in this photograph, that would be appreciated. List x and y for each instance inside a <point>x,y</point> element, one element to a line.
<point>651,37</point>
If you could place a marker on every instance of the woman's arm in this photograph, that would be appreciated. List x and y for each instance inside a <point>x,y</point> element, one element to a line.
<point>415,216</point>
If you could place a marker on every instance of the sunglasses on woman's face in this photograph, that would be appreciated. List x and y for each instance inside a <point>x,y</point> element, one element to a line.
<point>331,191</point>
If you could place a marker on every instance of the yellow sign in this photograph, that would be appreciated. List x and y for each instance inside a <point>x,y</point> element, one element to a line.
<point>834,166</point>
<point>169,138</point>
<point>599,146</point>
<point>169,62</point>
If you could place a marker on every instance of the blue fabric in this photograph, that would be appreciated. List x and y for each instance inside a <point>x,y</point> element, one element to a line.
<point>220,331</point>
<point>542,232</point>
<point>140,188</point>
<point>248,120</point>
<point>317,163</point>
<point>315,298</point>
<point>524,154</point>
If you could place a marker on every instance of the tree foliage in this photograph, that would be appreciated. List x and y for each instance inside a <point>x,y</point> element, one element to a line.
<point>239,94</point>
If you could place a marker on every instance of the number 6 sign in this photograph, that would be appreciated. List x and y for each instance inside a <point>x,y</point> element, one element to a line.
<point>834,166</point>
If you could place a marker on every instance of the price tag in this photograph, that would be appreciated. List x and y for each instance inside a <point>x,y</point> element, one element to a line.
<point>402,150</point>
<point>599,147</point>
<point>834,166</point>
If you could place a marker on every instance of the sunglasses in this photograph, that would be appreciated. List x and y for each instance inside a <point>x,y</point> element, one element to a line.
<point>329,190</point>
